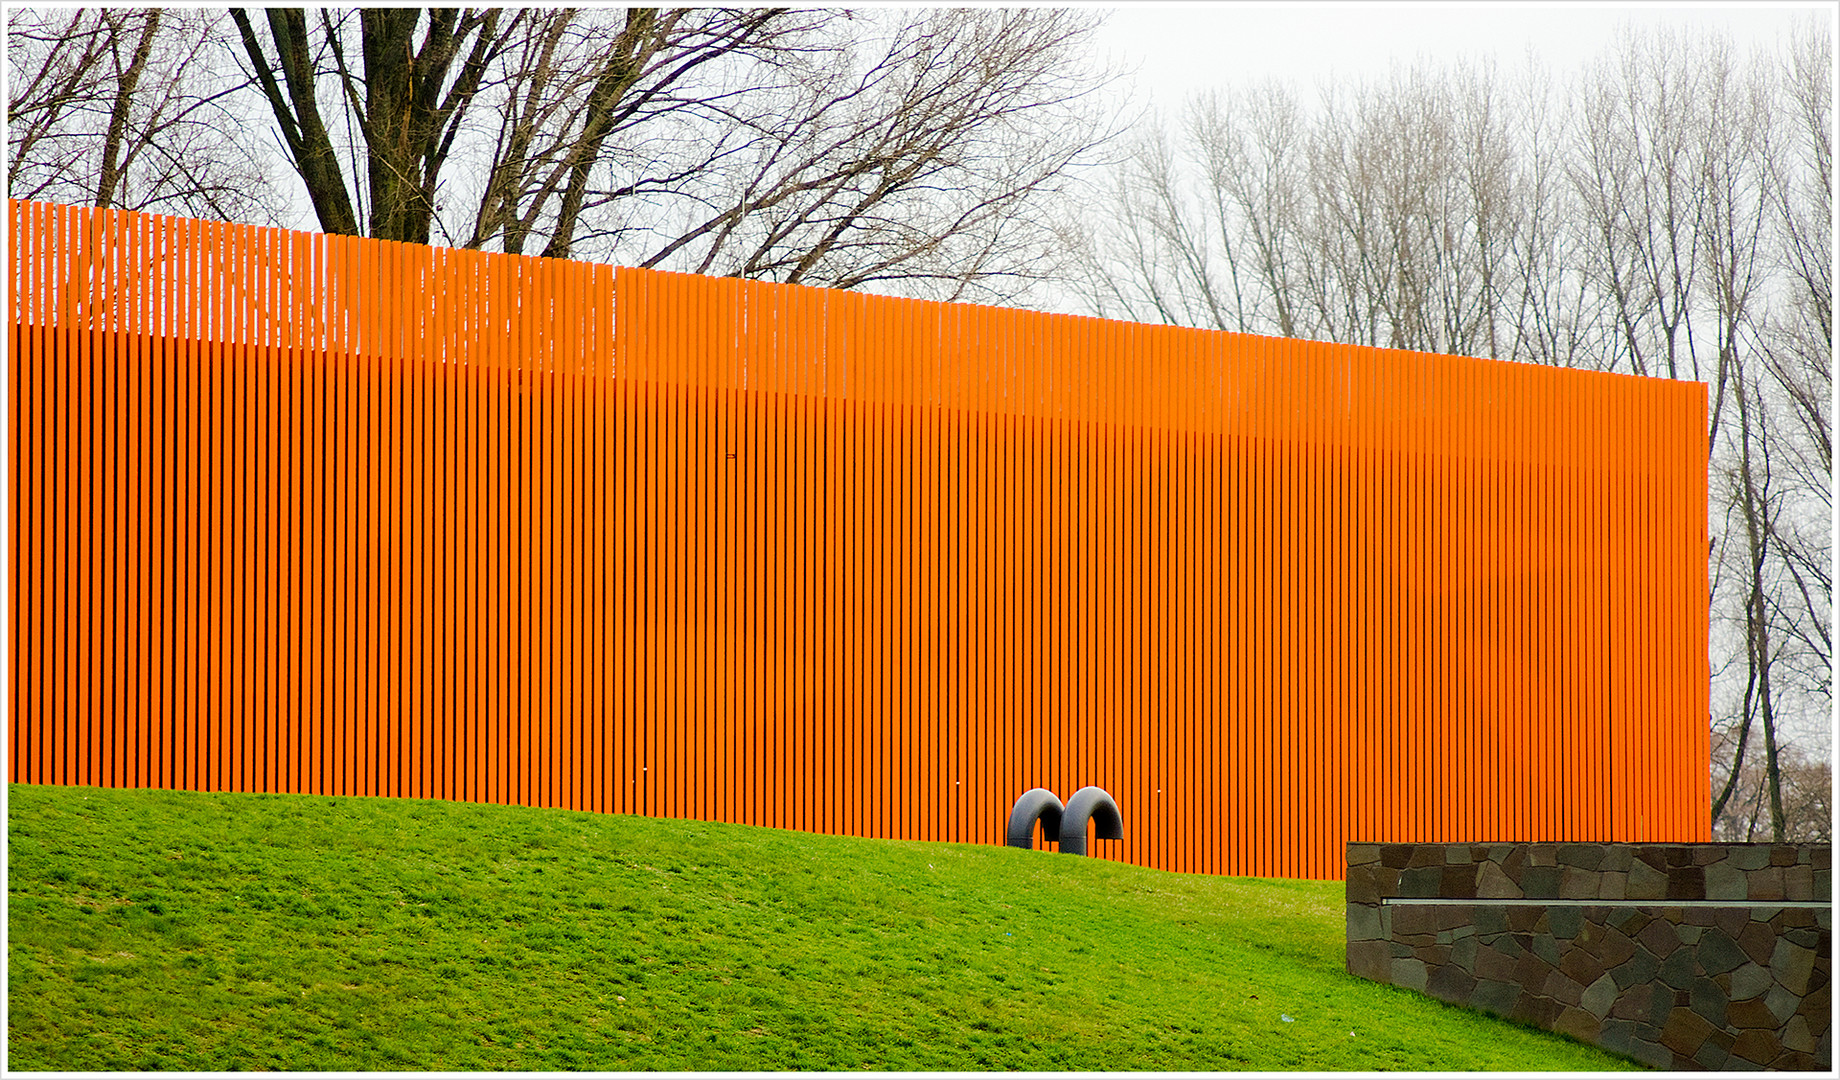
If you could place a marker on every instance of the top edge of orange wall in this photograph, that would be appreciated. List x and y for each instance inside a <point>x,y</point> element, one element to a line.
<point>594,277</point>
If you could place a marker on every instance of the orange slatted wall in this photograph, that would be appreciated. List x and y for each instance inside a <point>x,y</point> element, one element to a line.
<point>292,512</point>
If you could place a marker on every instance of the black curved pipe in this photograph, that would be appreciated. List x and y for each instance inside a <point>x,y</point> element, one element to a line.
<point>1094,803</point>
<point>1036,804</point>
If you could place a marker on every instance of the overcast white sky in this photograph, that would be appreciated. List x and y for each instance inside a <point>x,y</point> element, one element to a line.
<point>1187,46</point>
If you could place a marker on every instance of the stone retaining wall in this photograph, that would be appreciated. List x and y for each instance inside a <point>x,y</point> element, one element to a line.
<point>1684,956</point>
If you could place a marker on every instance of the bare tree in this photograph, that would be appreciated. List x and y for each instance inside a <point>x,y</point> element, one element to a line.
<point>1672,218</point>
<point>126,108</point>
<point>919,151</point>
<point>927,151</point>
<point>1796,344</point>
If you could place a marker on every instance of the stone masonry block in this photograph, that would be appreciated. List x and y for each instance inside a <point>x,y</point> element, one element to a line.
<point>1540,882</point>
<point>1637,970</point>
<point>1454,917</point>
<point>1413,919</point>
<point>1564,920</point>
<point>1614,947</point>
<point>1583,856</point>
<point>1686,883</point>
<point>1426,855</point>
<point>1410,974</point>
<point>1645,882</point>
<point>1791,965</point>
<point>1724,881</point>
<point>1659,938</point>
<point>1749,980</point>
<point>1709,1001</point>
<point>1715,1051</point>
<point>1599,996</point>
<point>1758,941</point>
<point>1718,953</point>
<point>1783,919</point>
<point>1364,922</point>
<point>1685,1031</point>
<point>1495,996</point>
<point>1419,882</point>
<point>1495,884</point>
<point>1798,883</point>
<point>1581,967</point>
<point>1766,884</point>
<point>1796,1036</point>
<point>1493,964</point>
<point>1749,1013</point>
<point>1631,1004</point>
<point>1450,983</point>
<point>1561,988</point>
<point>1458,883</point>
<point>1650,1053</point>
<point>1630,920</point>
<point>1578,1023</point>
<point>1781,1003</point>
<point>1536,1009</point>
<point>1463,952</point>
<point>1678,969</point>
<point>1749,856</point>
<point>1370,960</point>
<point>1577,884</point>
<point>1359,886</point>
<point>1756,1047</point>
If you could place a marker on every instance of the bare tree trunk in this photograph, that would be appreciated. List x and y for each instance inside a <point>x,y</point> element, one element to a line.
<point>110,179</point>
<point>297,114</point>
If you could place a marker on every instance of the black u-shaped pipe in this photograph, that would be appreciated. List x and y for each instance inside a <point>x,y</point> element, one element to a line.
<point>1094,803</point>
<point>1036,804</point>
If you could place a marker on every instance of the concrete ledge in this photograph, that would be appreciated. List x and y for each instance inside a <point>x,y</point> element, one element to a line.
<point>1683,956</point>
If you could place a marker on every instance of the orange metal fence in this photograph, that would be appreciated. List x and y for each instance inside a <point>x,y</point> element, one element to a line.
<point>293,512</point>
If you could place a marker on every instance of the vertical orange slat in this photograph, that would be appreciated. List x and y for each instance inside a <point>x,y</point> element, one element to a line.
<point>275,374</point>
<point>525,376</point>
<point>188,705</point>
<point>377,732</point>
<point>158,581</point>
<point>230,450</point>
<point>412,508</point>
<point>502,400</point>
<point>306,670</point>
<point>59,541</point>
<point>85,733</point>
<point>468,450</point>
<point>540,442</point>
<point>327,384</point>
<point>133,543</point>
<point>114,568</point>
<point>661,756</point>
<point>57,536</point>
<point>24,486</point>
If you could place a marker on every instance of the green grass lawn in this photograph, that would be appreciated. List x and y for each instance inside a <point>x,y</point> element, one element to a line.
<point>173,930</point>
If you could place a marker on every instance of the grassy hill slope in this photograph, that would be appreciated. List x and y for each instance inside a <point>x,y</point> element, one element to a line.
<point>172,930</point>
